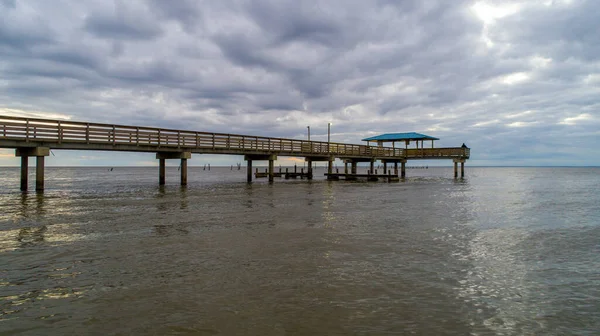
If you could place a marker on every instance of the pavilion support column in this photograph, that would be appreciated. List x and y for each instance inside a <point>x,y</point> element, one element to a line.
<point>271,165</point>
<point>24,172</point>
<point>39,173</point>
<point>161,171</point>
<point>184,172</point>
<point>249,171</point>
<point>353,167</point>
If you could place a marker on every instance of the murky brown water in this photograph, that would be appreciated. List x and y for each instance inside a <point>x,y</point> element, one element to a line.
<point>511,251</point>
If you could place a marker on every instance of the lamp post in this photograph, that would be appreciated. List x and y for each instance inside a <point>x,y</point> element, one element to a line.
<point>328,137</point>
<point>308,127</point>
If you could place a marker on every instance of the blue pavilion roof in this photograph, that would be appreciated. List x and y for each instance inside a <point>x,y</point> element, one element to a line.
<point>400,137</point>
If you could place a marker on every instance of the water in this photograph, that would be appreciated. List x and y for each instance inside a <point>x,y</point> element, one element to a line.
<point>506,251</point>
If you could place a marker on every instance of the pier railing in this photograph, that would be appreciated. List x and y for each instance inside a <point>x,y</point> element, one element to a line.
<point>33,130</point>
<point>437,153</point>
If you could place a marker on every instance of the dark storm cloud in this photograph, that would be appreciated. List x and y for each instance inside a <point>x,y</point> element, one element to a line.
<point>519,80</point>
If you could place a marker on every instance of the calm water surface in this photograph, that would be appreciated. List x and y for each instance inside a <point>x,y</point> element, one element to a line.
<point>506,251</point>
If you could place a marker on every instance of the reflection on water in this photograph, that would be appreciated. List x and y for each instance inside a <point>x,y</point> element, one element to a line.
<point>502,252</point>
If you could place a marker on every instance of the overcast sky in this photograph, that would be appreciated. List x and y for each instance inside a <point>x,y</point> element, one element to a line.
<point>517,81</point>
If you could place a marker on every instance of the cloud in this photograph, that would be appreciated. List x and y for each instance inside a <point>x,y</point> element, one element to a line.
<point>490,73</point>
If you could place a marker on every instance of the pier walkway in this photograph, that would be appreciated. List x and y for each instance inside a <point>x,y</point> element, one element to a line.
<point>33,137</point>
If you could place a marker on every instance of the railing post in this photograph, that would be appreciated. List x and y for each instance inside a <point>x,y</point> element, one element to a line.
<point>137,136</point>
<point>59,132</point>
<point>228,141</point>
<point>87,133</point>
<point>178,139</point>
<point>197,140</point>
<point>26,130</point>
<point>213,140</point>
<point>113,134</point>
<point>159,137</point>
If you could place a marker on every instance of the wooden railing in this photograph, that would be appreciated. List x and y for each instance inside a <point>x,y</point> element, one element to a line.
<point>70,132</point>
<point>437,153</point>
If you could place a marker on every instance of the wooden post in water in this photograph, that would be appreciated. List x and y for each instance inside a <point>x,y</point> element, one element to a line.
<point>395,168</point>
<point>354,164</point>
<point>24,172</point>
<point>249,171</point>
<point>372,167</point>
<point>462,168</point>
<point>310,169</point>
<point>455,169</point>
<point>39,173</point>
<point>384,167</point>
<point>161,171</point>
<point>271,168</point>
<point>403,168</point>
<point>184,171</point>
<point>345,167</point>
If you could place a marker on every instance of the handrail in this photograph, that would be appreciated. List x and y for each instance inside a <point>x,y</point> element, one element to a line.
<point>65,132</point>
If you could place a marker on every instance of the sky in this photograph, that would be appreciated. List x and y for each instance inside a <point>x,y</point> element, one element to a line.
<point>517,81</point>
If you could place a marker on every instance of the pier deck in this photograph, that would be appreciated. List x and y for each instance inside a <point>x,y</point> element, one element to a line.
<point>35,137</point>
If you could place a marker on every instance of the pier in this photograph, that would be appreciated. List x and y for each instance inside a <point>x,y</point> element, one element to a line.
<point>32,137</point>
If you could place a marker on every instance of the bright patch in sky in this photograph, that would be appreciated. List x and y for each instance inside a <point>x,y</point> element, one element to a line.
<point>489,13</point>
<point>515,78</point>
<point>577,119</point>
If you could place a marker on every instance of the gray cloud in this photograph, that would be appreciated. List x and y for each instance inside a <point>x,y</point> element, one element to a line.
<point>528,80</point>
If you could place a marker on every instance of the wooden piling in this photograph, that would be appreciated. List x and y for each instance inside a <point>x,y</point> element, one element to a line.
<point>249,171</point>
<point>161,171</point>
<point>24,172</point>
<point>184,172</point>
<point>39,173</point>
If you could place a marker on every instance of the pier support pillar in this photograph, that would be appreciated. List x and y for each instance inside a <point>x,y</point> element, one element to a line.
<point>395,168</point>
<point>372,167</point>
<point>354,168</point>
<point>462,167</point>
<point>249,171</point>
<point>24,172</point>
<point>161,171</point>
<point>184,172</point>
<point>40,153</point>
<point>271,165</point>
<point>403,168</point>
<point>345,167</point>
<point>162,167</point>
<point>384,168</point>
<point>39,173</point>
<point>310,169</point>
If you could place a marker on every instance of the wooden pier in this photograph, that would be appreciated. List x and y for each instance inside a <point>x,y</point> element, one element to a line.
<point>32,137</point>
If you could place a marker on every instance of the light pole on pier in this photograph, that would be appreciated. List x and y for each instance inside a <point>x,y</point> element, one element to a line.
<point>328,136</point>
<point>308,127</point>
